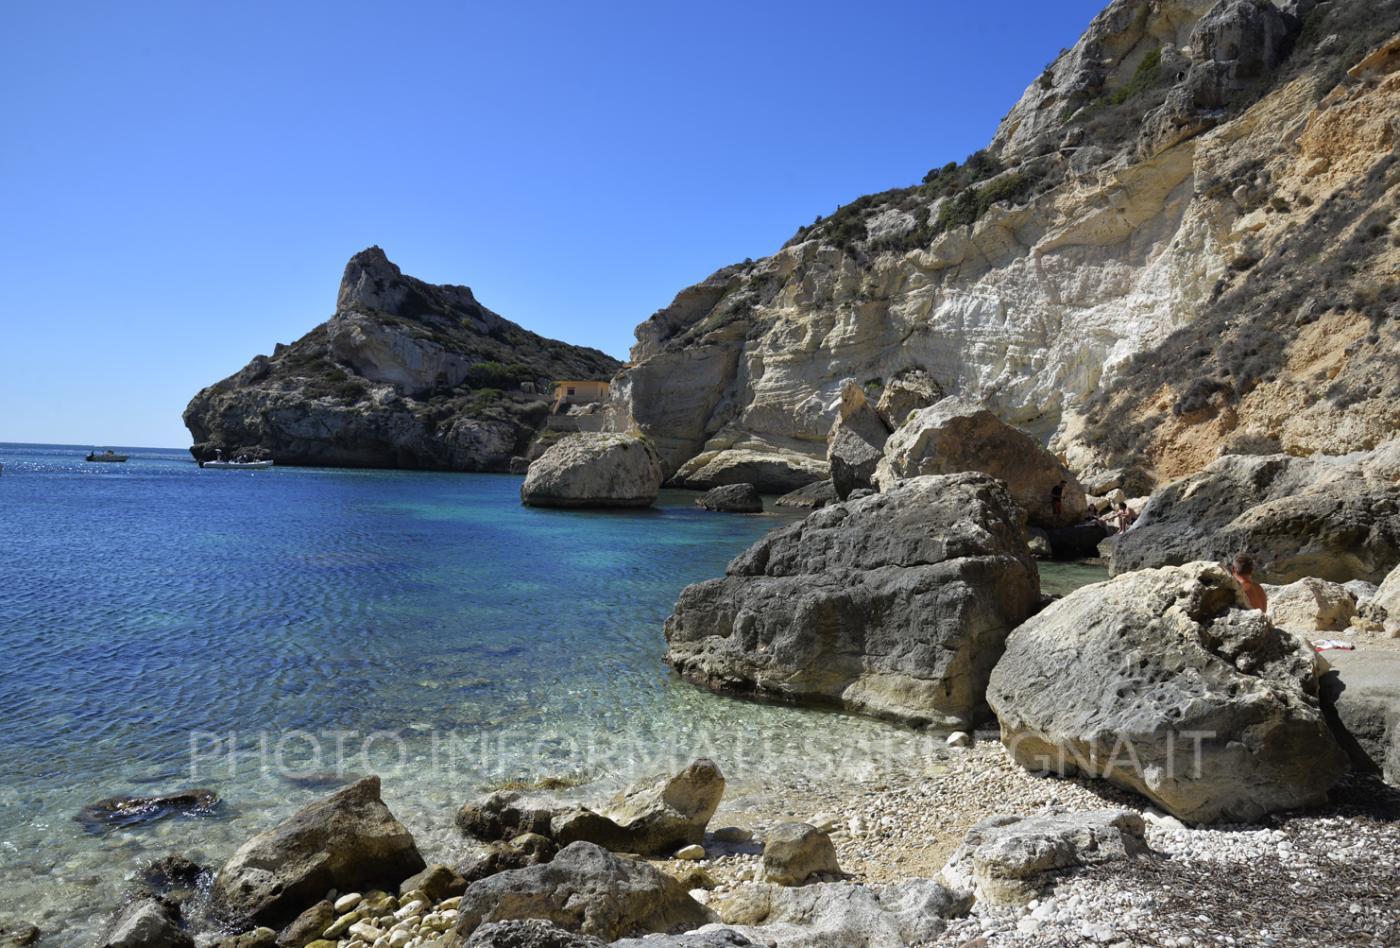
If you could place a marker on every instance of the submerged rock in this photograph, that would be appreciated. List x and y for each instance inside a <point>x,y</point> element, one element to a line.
<point>732,498</point>
<point>655,817</point>
<point>956,434</point>
<point>1005,859</point>
<point>146,923</point>
<point>895,605</point>
<point>594,470</point>
<point>584,889</point>
<point>1158,682</point>
<point>348,841</point>
<point>1332,518</point>
<point>129,811</point>
<point>499,816</point>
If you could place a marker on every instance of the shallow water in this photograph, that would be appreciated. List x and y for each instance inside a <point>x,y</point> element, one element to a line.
<point>268,634</point>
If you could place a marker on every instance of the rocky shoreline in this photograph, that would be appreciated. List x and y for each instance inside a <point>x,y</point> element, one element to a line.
<point>1306,877</point>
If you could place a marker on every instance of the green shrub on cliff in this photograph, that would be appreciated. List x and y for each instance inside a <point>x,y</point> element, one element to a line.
<point>497,375</point>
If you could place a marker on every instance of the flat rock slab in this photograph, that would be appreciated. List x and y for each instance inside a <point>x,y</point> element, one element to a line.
<point>1362,689</point>
<point>1005,859</point>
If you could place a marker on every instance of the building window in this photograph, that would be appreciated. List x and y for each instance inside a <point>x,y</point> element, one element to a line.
<point>569,391</point>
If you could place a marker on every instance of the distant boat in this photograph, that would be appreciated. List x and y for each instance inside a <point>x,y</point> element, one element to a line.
<point>237,465</point>
<point>107,455</point>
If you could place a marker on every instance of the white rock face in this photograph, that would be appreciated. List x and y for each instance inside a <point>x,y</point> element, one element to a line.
<point>1030,309</point>
<point>382,354</point>
<point>594,470</point>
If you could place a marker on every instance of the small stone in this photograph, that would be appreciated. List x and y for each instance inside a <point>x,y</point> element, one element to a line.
<point>690,853</point>
<point>399,939</point>
<point>365,930</point>
<point>733,834</point>
<point>959,739</point>
<point>348,901</point>
<point>412,908</point>
<point>342,925</point>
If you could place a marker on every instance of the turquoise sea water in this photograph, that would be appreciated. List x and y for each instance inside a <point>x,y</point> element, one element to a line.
<point>267,633</point>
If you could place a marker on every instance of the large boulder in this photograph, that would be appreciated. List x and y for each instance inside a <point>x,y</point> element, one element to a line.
<point>905,393</point>
<point>1005,859</point>
<point>1311,605</point>
<point>1387,599</point>
<point>594,470</point>
<point>1335,518</point>
<point>129,811</point>
<point>794,852</point>
<point>771,470</point>
<point>1361,692</point>
<point>894,605</point>
<point>655,817</point>
<point>856,441</point>
<point>842,914</point>
<point>584,889</point>
<point>1158,682</point>
<point>347,841</point>
<point>957,434</point>
<point>731,498</point>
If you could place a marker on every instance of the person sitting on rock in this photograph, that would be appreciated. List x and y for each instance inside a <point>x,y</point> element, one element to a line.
<point>1125,515</point>
<point>1057,498</point>
<point>1243,570</point>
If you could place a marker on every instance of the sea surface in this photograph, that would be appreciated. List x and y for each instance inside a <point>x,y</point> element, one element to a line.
<point>272,634</point>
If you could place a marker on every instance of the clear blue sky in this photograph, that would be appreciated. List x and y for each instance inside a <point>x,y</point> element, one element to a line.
<point>181,183</point>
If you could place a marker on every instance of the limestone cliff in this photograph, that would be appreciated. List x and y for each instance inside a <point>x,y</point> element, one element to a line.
<point>405,374</point>
<point>1180,238</point>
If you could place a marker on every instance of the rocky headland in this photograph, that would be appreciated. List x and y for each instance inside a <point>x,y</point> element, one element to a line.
<point>405,374</point>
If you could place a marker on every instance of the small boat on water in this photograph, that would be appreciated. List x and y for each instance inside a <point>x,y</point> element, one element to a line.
<point>237,465</point>
<point>107,455</point>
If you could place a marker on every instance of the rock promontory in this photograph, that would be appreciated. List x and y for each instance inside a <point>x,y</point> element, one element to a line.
<point>405,374</point>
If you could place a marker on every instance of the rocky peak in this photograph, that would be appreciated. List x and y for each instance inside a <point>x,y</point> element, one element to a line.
<point>371,281</point>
